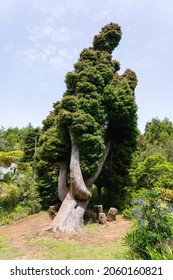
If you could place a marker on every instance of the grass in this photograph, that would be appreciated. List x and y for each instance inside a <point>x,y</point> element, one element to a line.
<point>6,251</point>
<point>72,250</point>
<point>50,248</point>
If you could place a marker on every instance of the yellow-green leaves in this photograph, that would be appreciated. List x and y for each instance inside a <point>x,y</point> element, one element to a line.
<point>6,158</point>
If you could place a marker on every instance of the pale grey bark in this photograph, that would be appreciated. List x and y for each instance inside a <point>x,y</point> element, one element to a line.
<point>70,217</point>
<point>77,185</point>
<point>62,181</point>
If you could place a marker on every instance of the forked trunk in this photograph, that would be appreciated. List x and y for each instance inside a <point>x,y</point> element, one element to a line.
<point>70,217</point>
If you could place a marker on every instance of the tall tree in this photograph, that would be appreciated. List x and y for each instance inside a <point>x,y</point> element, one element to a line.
<point>30,138</point>
<point>95,118</point>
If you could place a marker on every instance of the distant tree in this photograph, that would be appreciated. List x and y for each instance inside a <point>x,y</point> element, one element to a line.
<point>47,162</point>
<point>3,144</point>
<point>157,138</point>
<point>158,131</point>
<point>154,171</point>
<point>12,138</point>
<point>30,139</point>
<point>95,118</point>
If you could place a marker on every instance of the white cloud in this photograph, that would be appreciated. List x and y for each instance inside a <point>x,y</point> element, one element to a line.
<point>51,33</point>
<point>59,8</point>
<point>49,56</point>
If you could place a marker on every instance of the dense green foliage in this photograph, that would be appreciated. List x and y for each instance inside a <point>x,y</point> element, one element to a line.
<point>18,198</point>
<point>150,194</point>
<point>30,139</point>
<point>18,193</point>
<point>16,138</point>
<point>154,171</point>
<point>152,233</point>
<point>6,158</point>
<point>158,138</point>
<point>98,105</point>
<point>152,164</point>
<point>11,139</point>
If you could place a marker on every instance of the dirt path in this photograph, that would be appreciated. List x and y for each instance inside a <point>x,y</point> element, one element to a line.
<point>22,232</point>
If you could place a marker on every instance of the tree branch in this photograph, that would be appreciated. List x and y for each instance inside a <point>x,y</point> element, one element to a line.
<point>91,180</point>
<point>77,184</point>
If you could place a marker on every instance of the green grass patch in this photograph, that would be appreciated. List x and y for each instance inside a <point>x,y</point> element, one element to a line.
<point>68,249</point>
<point>6,251</point>
<point>51,247</point>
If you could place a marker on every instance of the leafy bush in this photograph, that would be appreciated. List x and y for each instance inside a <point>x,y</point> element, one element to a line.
<point>10,196</point>
<point>154,171</point>
<point>30,194</point>
<point>7,177</point>
<point>152,234</point>
<point>18,199</point>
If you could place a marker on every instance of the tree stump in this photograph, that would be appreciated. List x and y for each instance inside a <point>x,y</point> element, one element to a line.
<point>90,215</point>
<point>98,209</point>
<point>111,216</point>
<point>102,218</point>
<point>51,212</point>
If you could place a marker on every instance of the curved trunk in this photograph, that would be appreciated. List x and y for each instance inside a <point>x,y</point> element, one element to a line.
<point>70,215</point>
<point>62,181</point>
<point>77,185</point>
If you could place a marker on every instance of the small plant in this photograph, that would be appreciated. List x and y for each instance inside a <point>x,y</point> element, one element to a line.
<point>152,233</point>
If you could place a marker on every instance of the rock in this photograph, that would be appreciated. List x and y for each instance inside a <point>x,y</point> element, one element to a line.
<point>51,212</point>
<point>102,218</point>
<point>98,209</point>
<point>90,215</point>
<point>111,216</point>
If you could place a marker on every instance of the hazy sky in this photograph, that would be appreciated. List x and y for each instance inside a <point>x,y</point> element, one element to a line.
<point>42,39</point>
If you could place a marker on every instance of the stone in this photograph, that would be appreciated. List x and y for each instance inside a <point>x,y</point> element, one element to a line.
<point>90,215</point>
<point>102,218</point>
<point>51,212</point>
<point>98,209</point>
<point>111,216</point>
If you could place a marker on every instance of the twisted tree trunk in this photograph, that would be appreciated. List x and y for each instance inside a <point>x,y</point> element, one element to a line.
<point>76,198</point>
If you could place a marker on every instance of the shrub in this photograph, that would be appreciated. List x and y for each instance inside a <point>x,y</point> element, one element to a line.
<point>154,171</point>
<point>18,198</point>
<point>152,233</point>
<point>10,196</point>
<point>30,194</point>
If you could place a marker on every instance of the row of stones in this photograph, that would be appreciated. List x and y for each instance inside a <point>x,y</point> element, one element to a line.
<point>98,216</point>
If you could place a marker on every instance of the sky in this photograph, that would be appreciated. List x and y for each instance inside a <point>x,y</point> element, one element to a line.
<point>42,39</point>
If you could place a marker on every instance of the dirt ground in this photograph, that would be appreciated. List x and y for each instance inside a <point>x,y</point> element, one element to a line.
<point>22,232</point>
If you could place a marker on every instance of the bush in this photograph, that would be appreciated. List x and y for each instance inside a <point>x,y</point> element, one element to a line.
<point>152,234</point>
<point>30,194</point>
<point>10,196</point>
<point>18,199</point>
<point>154,171</point>
<point>7,177</point>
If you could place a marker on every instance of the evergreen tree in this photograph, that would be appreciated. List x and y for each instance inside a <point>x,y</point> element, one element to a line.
<point>95,123</point>
<point>30,138</point>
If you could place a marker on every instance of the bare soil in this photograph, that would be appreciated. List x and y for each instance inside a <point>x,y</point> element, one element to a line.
<point>22,232</point>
